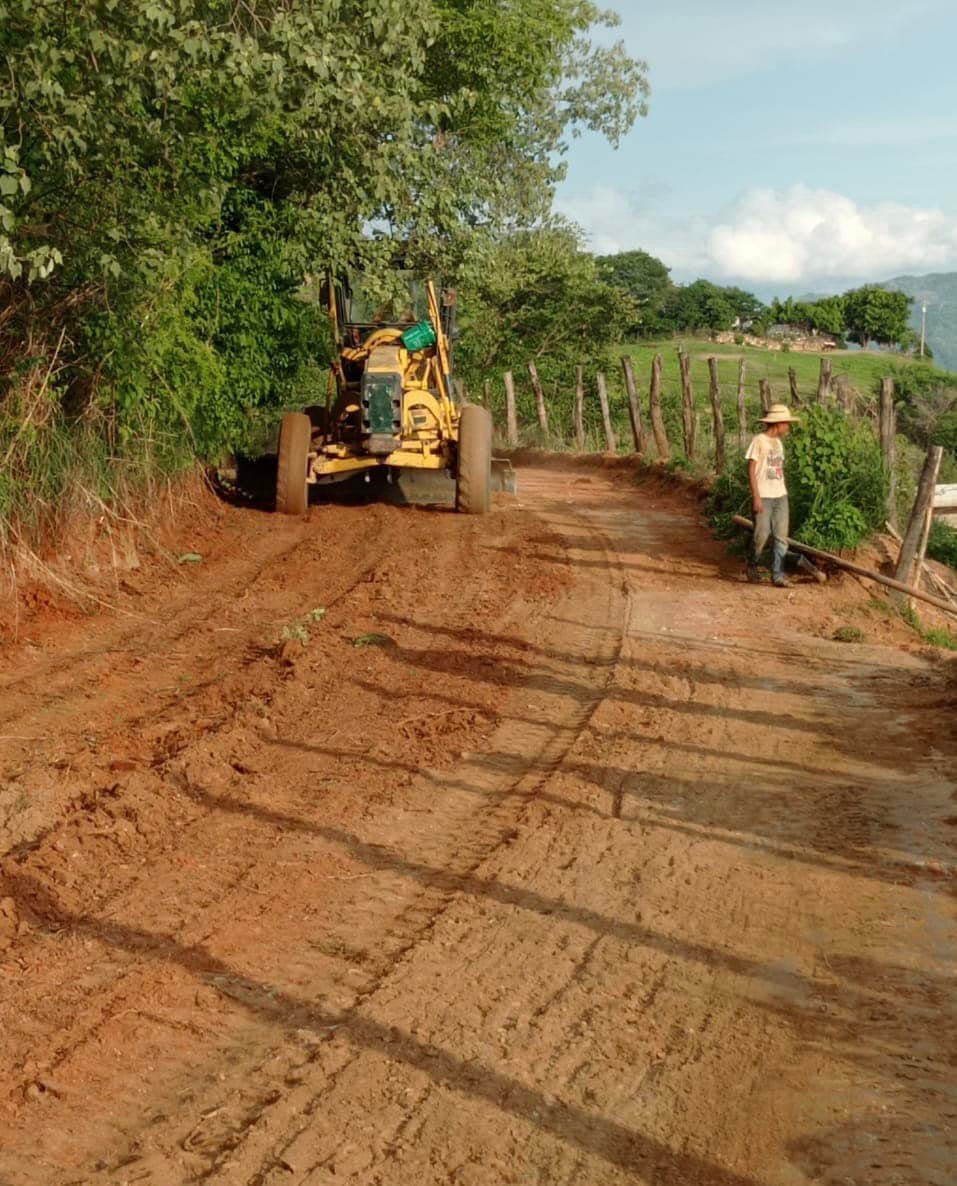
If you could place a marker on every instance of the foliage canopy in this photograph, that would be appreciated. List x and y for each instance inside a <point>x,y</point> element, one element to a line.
<point>172,171</point>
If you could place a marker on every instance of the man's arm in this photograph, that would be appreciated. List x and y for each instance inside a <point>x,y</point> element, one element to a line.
<point>756,503</point>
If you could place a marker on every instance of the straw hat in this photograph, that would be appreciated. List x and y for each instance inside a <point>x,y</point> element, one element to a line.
<point>779,414</point>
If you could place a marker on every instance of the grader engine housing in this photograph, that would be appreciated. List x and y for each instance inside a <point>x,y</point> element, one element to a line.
<point>392,409</point>
<point>381,400</point>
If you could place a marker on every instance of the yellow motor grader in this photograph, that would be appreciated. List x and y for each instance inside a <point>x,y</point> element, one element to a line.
<point>391,412</point>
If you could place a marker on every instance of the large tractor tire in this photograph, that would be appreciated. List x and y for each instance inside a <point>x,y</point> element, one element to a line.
<point>292,487</point>
<point>473,488</point>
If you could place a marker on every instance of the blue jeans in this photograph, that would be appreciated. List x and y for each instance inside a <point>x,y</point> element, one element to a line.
<point>772,522</point>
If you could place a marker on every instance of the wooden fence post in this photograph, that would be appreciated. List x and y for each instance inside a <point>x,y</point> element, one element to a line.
<point>917,524</point>
<point>764,386</point>
<point>579,408</point>
<point>714,391</point>
<point>634,408</point>
<point>742,408</point>
<point>842,387</point>
<point>824,382</point>
<point>687,404</point>
<point>485,395</point>
<point>888,434</point>
<point>511,415</point>
<point>610,441</point>
<point>793,381</point>
<point>539,398</point>
<point>654,411</point>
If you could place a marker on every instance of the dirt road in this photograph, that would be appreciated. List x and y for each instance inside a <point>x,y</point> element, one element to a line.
<point>601,867</point>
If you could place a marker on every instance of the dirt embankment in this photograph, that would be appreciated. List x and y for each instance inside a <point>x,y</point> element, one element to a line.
<point>398,847</point>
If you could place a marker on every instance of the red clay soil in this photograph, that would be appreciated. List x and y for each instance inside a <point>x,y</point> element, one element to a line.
<point>595,865</point>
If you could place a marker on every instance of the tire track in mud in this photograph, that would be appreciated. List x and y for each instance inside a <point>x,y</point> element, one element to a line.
<point>51,706</point>
<point>505,800</point>
<point>519,902</point>
<point>444,872</point>
<point>542,762</point>
<point>535,1031</point>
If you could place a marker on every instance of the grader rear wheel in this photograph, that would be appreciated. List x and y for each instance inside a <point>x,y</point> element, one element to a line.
<point>292,488</point>
<point>473,489</point>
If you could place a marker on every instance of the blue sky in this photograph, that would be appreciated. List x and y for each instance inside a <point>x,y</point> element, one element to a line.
<point>786,150</point>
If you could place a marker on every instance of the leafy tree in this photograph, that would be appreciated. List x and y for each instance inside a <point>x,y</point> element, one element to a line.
<point>645,279</point>
<point>745,304</point>
<point>910,344</point>
<point>875,314</point>
<point>537,296</point>
<point>702,306</point>
<point>171,172</point>
<point>534,294</point>
<point>827,316</point>
<point>666,307</point>
<point>927,404</point>
<point>783,312</point>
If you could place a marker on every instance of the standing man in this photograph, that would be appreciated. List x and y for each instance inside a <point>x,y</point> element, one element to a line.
<point>769,494</point>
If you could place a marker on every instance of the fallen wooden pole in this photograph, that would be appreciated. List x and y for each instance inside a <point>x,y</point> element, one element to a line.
<point>939,602</point>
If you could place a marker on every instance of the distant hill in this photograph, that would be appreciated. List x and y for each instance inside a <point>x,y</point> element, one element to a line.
<point>940,292</point>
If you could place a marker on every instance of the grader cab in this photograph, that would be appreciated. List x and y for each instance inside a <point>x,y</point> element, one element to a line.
<point>391,411</point>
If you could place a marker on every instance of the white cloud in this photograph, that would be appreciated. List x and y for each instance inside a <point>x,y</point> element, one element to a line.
<point>614,220</point>
<point>793,237</point>
<point>806,233</point>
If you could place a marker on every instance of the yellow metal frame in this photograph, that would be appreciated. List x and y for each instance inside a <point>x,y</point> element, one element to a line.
<point>424,446</point>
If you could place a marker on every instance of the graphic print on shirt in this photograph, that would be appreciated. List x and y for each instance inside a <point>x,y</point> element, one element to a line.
<point>768,455</point>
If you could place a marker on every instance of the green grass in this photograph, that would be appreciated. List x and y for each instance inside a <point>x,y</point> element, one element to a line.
<point>848,634</point>
<point>863,369</point>
<point>941,637</point>
<point>937,636</point>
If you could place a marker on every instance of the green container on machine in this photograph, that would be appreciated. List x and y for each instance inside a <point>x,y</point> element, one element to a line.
<point>419,337</point>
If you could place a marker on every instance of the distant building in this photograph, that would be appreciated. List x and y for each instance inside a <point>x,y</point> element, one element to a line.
<point>789,332</point>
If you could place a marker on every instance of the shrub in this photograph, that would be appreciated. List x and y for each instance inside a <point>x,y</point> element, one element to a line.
<point>836,479</point>
<point>942,543</point>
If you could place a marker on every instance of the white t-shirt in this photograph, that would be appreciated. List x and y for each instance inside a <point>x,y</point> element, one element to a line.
<point>768,452</point>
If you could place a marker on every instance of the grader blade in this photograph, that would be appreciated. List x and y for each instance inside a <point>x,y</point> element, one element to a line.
<point>420,487</point>
<point>430,487</point>
<point>504,478</point>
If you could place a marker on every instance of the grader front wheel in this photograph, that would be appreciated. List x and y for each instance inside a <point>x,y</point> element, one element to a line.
<point>292,488</point>
<point>473,488</point>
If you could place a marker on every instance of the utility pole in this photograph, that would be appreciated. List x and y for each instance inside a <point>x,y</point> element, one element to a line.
<point>923,326</point>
